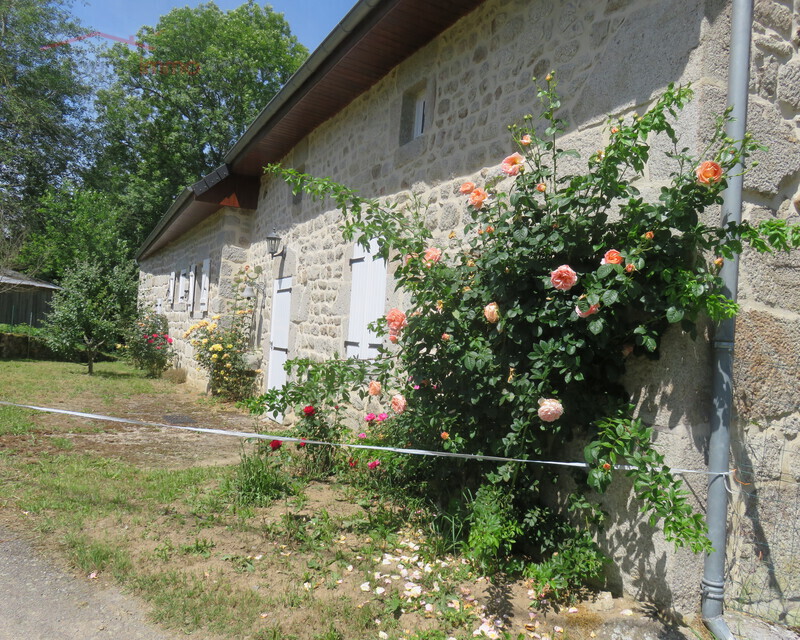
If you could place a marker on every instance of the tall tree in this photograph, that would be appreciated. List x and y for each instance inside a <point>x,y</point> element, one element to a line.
<point>176,105</point>
<point>42,96</point>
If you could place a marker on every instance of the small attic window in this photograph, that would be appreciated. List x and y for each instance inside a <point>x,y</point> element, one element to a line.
<point>413,113</point>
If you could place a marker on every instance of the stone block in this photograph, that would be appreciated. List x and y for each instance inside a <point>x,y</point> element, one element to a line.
<point>782,160</point>
<point>766,364</point>
<point>770,278</point>
<point>789,84</point>
<point>658,38</point>
<point>773,15</point>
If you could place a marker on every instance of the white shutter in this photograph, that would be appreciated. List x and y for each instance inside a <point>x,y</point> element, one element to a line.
<point>205,278</point>
<point>182,287</point>
<point>367,301</point>
<point>279,335</point>
<point>190,301</point>
<point>171,289</point>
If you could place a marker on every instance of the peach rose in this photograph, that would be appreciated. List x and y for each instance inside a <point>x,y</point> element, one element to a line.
<point>589,312</point>
<point>525,140</point>
<point>445,435</point>
<point>630,267</point>
<point>708,172</point>
<point>512,164</point>
<point>541,187</point>
<point>477,197</point>
<point>649,235</point>
<point>396,320</point>
<point>563,278</point>
<point>374,388</point>
<point>612,256</point>
<point>432,254</point>
<point>446,337</point>
<point>492,312</point>
<point>393,338</point>
<point>550,409</point>
<point>399,403</point>
<point>467,187</point>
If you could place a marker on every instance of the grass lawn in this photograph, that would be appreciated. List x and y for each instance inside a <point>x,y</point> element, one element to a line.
<point>258,549</point>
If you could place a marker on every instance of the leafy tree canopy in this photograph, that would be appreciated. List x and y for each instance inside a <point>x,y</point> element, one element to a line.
<point>75,224</point>
<point>171,112</point>
<point>42,95</point>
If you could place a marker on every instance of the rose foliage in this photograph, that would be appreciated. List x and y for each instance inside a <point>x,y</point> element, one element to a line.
<point>514,339</point>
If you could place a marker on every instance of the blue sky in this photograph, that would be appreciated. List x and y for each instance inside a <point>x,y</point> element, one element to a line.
<point>310,20</point>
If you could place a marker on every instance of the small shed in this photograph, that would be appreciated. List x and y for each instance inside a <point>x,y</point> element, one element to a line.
<point>24,300</point>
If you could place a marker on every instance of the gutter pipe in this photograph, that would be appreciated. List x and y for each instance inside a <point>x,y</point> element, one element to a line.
<point>713,583</point>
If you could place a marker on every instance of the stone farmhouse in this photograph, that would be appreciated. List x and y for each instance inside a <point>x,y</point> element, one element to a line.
<point>414,97</point>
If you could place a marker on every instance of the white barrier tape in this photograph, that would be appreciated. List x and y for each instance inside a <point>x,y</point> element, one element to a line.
<point>261,436</point>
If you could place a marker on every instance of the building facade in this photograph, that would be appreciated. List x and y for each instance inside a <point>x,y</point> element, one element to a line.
<point>409,99</point>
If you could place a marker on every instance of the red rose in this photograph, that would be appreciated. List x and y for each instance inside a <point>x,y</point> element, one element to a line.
<point>309,410</point>
<point>302,443</point>
<point>275,445</point>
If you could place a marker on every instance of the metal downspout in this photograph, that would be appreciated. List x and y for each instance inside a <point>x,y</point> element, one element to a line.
<point>713,584</point>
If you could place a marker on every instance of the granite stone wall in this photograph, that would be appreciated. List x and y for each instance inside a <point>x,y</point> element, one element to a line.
<point>612,58</point>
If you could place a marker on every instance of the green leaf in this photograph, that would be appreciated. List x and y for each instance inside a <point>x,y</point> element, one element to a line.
<point>674,315</point>
<point>610,296</point>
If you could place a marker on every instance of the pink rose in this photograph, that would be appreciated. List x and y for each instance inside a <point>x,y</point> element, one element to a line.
<point>491,312</point>
<point>477,197</point>
<point>563,278</point>
<point>512,164</point>
<point>589,312</point>
<point>396,320</point>
<point>432,254</point>
<point>375,388</point>
<point>399,403</point>
<point>550,409</point>
<point>467,187</point>
<point>382,417</point>
<point>374,464</point>
<point>362,436</point>
<point>369,417</point>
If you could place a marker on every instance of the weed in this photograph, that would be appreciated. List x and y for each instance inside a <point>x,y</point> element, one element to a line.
<point>62,443</point>
<point>260,479</point>
<point>164,551</point>
<point>15,421</point>
<point>200,547</point>
<point>98,556</point>
<point>241,564</point>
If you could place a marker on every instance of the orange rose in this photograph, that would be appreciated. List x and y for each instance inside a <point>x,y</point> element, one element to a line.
<point>512,164</point>
<point>612,256</point>
<point>445,435</point>
<point>709,172</point>
<point>396,320</point>
<point>541,187</point>
<point>649,235</point>
<point>467,187</point>
<point>477,197</point>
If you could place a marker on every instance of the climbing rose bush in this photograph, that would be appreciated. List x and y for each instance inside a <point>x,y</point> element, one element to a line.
<point>514,341</point>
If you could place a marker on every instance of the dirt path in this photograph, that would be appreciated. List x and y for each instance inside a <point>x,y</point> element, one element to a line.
<point>41,602</point>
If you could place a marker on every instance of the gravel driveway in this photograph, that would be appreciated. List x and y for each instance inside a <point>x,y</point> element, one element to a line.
<point>41,602</point>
